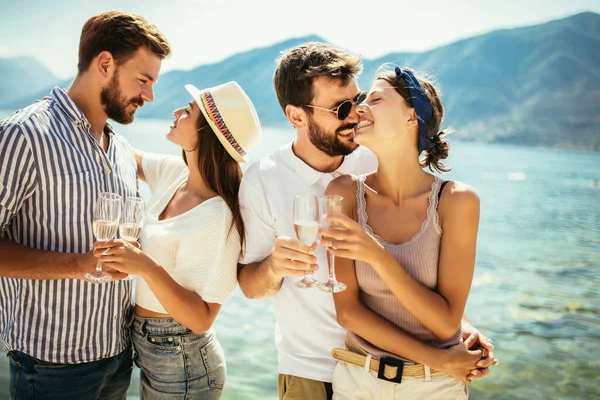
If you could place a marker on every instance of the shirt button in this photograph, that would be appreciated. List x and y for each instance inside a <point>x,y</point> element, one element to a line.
<point>108,171</point>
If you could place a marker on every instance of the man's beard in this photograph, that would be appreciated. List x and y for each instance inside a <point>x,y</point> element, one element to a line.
<point>330,144</point>
<point>115,104</point>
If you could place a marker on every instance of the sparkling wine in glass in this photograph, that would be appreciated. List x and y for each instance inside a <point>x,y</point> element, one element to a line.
<point>132,221</point>
<point>306,225</point>
<point>107,212</point>
<point>331,205</point>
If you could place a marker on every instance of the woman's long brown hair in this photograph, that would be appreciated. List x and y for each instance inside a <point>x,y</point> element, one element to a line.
<point>221,173</point>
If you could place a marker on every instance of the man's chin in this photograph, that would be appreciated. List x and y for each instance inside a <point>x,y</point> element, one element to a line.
<point>351,145</point>
<point>124,119</point>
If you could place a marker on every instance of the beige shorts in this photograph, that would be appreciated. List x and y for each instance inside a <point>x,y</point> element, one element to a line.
<point>353,382</point>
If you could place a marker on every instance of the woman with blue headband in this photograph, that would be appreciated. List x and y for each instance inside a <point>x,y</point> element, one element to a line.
<point>405,250</point>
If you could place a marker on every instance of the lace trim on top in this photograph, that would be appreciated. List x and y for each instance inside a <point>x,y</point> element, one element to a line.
<point>432,213</point>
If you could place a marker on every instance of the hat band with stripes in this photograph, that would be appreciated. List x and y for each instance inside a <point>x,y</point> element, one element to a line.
<point>213,113</point>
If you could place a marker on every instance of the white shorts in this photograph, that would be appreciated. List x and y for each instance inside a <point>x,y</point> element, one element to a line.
<point>351,382</point>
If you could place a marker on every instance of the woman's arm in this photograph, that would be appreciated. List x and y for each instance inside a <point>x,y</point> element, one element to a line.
<point>183,305</point>
<point>139,155</point>
<point>442,308</point>
<point>187,307</point>
<point>357,318</point>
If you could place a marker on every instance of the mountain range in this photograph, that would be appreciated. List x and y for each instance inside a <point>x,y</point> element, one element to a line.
<point>535,85</point>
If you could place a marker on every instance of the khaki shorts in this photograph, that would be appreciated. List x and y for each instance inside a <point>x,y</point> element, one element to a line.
<point>295,388</point>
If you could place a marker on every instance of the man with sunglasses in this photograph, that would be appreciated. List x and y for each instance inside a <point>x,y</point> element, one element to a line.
<point>316,86</point>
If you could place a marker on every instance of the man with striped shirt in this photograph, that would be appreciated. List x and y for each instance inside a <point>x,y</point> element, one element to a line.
<point>68,338</point>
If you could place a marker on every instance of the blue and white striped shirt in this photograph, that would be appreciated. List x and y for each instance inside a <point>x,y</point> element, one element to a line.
<point>51,173</point>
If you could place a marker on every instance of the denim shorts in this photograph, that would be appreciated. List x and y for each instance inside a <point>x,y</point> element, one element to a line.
<point>176,363</point>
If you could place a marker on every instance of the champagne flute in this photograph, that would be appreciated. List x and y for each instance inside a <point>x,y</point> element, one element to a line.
<point>306,225</point>
<point>107,212</point>
<point>331,205</point>
<point>132,221</point>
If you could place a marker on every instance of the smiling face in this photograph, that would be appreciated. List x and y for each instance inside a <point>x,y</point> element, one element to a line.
<point>385,116</point>
<point>130,86</point>
<point>325,131</point>
<point>184,131</point>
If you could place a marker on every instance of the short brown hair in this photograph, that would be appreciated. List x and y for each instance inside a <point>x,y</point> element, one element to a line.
<point>120,33</point>
<point>299,66</point>
<point>439,151</point>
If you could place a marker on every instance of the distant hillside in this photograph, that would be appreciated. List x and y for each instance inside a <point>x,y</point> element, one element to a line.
<point>536,85</point>
<point>22,77</point>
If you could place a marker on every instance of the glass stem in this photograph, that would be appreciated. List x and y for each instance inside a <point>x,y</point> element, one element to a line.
<point>98,266</point>
<point>331,267</point>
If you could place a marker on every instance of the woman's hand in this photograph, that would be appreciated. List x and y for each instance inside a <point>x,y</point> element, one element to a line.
<point>124,256</point>
<point>473,339</point>
<point>347,238</point>
<point>458,362</point>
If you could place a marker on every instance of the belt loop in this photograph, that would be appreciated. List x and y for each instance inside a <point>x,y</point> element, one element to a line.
<point>367,366</point>
<point>427,373</point>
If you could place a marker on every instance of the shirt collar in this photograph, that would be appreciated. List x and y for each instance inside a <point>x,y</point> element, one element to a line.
<point>68,106</point>
<point>309,175</point>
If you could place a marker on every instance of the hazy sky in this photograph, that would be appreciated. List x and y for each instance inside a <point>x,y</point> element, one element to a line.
<point>203,31</point>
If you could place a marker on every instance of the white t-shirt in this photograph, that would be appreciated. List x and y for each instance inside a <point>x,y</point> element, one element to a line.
<point>307,328</point>
<point>196,248</point>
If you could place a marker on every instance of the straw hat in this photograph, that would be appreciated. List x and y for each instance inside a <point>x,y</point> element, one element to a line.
<point>231,115</point>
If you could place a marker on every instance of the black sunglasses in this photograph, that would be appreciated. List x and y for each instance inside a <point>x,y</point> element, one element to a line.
<point>343,109</point>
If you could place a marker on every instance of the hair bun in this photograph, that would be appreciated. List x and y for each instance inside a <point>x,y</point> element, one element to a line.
<point>438,152</point>
<point>441,148</point>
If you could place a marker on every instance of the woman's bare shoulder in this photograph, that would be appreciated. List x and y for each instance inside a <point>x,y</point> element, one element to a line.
<point>458,196</point>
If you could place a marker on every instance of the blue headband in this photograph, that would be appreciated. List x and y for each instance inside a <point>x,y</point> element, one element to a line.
<point>422,106</point>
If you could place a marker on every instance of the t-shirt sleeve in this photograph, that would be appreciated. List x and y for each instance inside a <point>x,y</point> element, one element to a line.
<point>258,221</point>
<point>160,166</point>
<point>18,174</point>
<point>207,259</point>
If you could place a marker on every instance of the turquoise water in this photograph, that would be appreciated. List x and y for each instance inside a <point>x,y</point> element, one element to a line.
<point>535,287</point>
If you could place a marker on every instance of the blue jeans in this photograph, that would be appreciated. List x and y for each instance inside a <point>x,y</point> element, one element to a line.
<point>176,364</point>
<point>106,379</point>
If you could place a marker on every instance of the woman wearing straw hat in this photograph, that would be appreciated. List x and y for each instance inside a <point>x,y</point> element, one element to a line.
<point>191,243</point>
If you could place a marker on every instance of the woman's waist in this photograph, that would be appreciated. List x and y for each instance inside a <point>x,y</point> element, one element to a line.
<point>146,313</point>
<point>147,304</point>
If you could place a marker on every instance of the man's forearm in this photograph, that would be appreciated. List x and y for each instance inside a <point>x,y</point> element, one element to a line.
<point>21,262</point>
<point>258,281</point>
